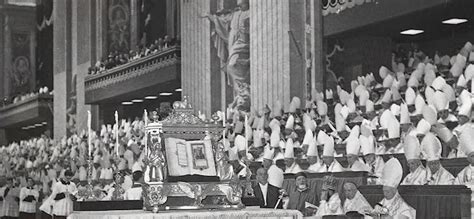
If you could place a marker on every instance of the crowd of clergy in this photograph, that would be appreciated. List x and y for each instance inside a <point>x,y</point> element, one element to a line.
<point>422,110</point>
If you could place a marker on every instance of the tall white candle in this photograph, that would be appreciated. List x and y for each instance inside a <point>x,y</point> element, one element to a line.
<point>89,139</point>
<point>246,134</point>
<point>116,133</point>
<point>223,124</point>
<point>145,118</point>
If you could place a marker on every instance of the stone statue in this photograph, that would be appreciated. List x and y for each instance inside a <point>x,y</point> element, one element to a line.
<point>232,42</point>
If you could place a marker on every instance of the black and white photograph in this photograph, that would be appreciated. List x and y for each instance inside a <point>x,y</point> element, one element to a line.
<point>256,109</point>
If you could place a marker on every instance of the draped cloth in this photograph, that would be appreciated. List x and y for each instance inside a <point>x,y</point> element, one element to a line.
<point>418,177</point>
<point>358,203</point>
<point>331,207</point>
<point>232,40</point>
<point>397,206</point>
<point>441,177</point>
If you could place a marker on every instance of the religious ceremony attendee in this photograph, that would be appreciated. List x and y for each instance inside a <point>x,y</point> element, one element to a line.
<point>115,191</point>
<point>330,203</point>
<point>290,164</point>
<point>393,204</point>
<point>266,193</point>
<point>436,174</point>
<point>352,151</point>
<point>374,162</point>
<point>329,163</point>
<point>238,167</point>
<point>355,201</point>
<point>135,193</point>
<point>300,194</point>
<point>11,199</point>
<point>418,173</point>
<point>29,196</point>
<point>313,157</point>
<point>63,194</point>
<point>466,144</point>
<point>275,174</point>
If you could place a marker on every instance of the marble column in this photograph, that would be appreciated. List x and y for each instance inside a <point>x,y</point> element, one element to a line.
<point>82,36</point>
<point>200,73</point>
<point>134,18</point>
<point>277,48</point>
<point>318,65</point>
<point>7,36</point>
<point>62,11</point>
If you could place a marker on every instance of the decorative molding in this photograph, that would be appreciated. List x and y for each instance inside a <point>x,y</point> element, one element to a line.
<point>134,69</point>
<point>336,6</point>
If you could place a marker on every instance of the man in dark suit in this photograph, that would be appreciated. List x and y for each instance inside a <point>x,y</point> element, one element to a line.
<point>266,193</point>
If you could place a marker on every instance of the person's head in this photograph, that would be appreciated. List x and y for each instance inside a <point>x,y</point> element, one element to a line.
<point>470,158</point>
<point>267,163</point>
<point>300,180</point>
<point>312,160</point>
<point>262,176</point>
<point>9,181</point>
<point>243,4</point>
<point>68,174</point>
<point>434,165</point>
<point>352,158</point>
<point>30,182</point>
<point>289,161</point>
<point>369,158</point>
<point>350,190</point>
<point>413,164</point>
<point>137,176</point>
<point>327,160</point>
<point>389,192</point>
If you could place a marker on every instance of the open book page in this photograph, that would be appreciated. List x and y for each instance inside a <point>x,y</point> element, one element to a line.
<point>189,157</point>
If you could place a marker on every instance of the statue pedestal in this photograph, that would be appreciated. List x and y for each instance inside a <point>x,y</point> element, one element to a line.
<point>159,196</point>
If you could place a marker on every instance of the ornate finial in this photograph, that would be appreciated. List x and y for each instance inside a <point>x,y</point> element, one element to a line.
<point>154,116</point>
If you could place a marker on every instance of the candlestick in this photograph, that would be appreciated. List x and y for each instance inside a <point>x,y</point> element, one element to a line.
<point>116,134</point>
<point>89,140</point>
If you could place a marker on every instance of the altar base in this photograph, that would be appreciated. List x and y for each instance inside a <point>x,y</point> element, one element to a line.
<point>191,214</point>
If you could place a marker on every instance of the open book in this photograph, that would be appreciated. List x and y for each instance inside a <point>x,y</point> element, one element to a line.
<point>190,157</point>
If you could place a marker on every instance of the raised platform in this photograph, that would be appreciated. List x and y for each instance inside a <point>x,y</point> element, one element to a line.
<point>195,214</point>
<point>30,111</point>
<point>149,75</point>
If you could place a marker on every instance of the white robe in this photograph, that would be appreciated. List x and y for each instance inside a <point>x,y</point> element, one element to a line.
<point>134,193</point>
<point>465,177</point>
<point>397,206</point>
<point>314,168</point>
<point>334,167</point>
<point>64,206</point>
<point>358,166</point>
<point>419,177</point>
<point>441,177</point>
<point>331,207</point>
<point>358,203</point>
<point>275,176</point>
<point>294,168</point>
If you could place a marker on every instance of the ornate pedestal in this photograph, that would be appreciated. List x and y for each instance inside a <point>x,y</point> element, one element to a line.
<point>188,196</point>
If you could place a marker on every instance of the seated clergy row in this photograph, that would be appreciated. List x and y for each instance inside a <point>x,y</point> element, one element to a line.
<point>430,149</point>
<point>303,198</point>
